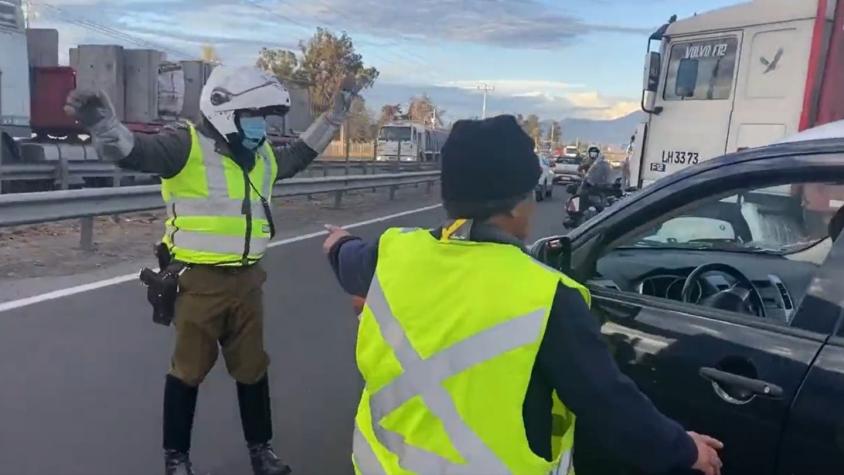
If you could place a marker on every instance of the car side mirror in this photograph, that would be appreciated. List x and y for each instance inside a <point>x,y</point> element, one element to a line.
<point>555,252</point>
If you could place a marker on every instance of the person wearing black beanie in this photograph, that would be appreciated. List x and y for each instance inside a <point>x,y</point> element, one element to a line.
<point>431,294</point>
<point>489,171</point>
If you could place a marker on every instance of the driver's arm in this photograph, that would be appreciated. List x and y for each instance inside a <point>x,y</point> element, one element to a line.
<point>576,362</point>
<point>353,261</point>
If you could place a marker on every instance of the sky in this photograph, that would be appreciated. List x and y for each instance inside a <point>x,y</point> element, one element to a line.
<point>554,58</point>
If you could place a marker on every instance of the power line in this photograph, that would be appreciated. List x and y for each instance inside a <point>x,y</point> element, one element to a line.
<point>110,32</point>
<point>420,62</point>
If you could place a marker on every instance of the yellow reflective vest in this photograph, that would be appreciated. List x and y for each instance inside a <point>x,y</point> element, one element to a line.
<point>215,214</point>
<point>446,345</point>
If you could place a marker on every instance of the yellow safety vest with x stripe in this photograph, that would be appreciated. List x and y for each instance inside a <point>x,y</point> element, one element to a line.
<point>215,214</point>
<point>446,345</point>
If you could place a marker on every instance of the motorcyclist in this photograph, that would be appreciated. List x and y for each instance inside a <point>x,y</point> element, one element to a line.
<point>598,179</point>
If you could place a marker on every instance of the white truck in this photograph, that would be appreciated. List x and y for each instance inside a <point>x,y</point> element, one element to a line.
<point>14,74</point>
<point>735,78</point>
<point>409,142</point>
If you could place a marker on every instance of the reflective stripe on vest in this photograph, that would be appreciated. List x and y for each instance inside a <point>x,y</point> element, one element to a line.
<point>415,388</point>
<point>209,224</point>
<point>220,244</point>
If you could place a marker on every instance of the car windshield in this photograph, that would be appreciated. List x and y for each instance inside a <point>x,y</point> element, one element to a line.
<point>768,221</point>
<point>394,134</point>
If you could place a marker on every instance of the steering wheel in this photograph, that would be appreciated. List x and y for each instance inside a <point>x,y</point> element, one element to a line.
<point>737,298</point>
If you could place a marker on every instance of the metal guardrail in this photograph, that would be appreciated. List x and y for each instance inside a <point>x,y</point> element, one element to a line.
<point>41,207</point>
<point>68,174</point>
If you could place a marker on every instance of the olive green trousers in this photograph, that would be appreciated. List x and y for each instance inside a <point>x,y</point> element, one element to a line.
<point>220,308</point>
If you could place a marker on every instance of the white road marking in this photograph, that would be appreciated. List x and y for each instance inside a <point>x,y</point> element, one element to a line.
<point>57,294</point>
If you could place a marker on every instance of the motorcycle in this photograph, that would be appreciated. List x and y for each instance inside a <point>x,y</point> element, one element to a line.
<point>577,210</point>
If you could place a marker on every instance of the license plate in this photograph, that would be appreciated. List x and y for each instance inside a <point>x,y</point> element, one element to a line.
<point>680,157</point>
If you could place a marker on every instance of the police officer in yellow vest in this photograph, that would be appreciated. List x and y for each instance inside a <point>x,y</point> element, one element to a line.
<point>476,358</point>
<point>217,180</point>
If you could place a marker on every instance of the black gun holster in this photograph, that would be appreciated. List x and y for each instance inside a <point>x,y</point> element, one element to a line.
<point>163,286</point>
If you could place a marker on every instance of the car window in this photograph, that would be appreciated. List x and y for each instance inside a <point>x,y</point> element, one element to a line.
<point>686,229</point>
<point>775,237</point>
<point>771,220</point>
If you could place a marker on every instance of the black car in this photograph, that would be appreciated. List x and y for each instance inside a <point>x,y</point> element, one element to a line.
<point>721,294</point>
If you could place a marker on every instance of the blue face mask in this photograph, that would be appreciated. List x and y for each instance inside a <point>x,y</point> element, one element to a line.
<point>254,130</point>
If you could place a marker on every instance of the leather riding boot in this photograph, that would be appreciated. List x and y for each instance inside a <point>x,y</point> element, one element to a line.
<point>256,418</point>
<point>265,461</point>
<point>179,408</point>
<point>177,463</point>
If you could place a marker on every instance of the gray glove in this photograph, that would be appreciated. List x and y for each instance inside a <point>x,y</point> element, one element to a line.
<point>94,111</point>
<point>342,101</point>
<point>89,107</point>
<point>319,134</point>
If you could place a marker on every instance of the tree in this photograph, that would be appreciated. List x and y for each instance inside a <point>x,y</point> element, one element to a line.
<point>361,123</point>
<point>281,63</point>
<point>209,54</point>
<point>532,127</point>
<point>554,133</point>
<point>326,60</point>
<point>390,113</point>
<point>422,110</point>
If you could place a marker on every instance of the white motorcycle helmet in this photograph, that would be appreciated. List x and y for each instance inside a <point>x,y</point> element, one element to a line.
<point>232,89</point>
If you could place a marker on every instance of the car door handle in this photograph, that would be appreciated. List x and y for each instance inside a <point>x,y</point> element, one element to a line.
<point>618,310</point>
<point>732,381</point>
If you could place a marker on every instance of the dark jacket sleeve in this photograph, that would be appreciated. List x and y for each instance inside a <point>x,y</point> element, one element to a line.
<point>164,153</point>
<point>293,158</point>
<point>576,361</point>
<point>353,261</point>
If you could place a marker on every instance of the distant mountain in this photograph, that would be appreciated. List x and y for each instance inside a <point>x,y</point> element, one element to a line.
<point>607,132</point>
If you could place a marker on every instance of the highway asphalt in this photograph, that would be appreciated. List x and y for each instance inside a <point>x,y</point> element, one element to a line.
<point>81,376</point>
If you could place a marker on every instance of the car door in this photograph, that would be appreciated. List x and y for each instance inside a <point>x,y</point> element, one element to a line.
<point>715,372</point>
<point>813,441</point>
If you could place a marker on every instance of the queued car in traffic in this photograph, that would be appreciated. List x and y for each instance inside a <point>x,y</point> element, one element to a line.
<point>567,169</point>
<point>545,185</point>
<point>720,295</point>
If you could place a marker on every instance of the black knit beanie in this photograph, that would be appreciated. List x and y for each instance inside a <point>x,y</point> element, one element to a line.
<point>491,159</point>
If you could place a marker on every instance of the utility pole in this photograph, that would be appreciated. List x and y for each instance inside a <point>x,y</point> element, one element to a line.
<point>27,13</point>
<point>486,88</point>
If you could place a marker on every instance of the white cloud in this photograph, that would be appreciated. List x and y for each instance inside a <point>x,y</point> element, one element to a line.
<point>239,30</point>
<point>551,98</point>
<point>519,87</point>
<point>464,102</point>
<point>510,23</point>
